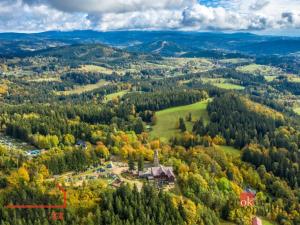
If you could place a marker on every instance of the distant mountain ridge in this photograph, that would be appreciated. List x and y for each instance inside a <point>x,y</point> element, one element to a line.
<point>165,43</point>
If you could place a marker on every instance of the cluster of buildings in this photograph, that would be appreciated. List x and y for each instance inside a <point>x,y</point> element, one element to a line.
<point>159,173</point>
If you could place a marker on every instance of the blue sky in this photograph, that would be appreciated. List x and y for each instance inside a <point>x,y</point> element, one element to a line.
<point>259,16</point>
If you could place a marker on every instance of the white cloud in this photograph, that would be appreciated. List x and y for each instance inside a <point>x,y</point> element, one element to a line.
<point>118,6</point>
<point>38,15</point>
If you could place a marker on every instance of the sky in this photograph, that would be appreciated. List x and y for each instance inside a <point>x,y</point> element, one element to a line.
<point>258,16</point>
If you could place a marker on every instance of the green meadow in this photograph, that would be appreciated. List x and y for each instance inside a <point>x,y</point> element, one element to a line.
<point>228,86</point>
<point>297,110</point>
<point>84,88</point>
<point>115,95</point>
<point>165,127</point>
<point>229,150</point>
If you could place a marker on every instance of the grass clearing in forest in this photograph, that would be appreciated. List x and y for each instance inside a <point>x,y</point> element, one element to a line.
<point>267,222</point>
<point>94,68</point>
<point>259,70</point>
<point>227,223</point>
<point>229,86</point>
<point>165,126</point>
<point>297,110</point>
<point>115,95</point>
<point>85,88</point>
<point>223,83</point>
<point>229,150</point>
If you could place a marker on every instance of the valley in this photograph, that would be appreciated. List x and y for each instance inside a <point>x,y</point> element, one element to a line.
<point>171,128</point>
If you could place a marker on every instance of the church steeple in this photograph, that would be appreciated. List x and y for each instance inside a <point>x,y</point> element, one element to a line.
<point>156,160</point>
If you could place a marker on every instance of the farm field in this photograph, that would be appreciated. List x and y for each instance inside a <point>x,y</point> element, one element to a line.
<point>84,88</point>
<point>167,119</point>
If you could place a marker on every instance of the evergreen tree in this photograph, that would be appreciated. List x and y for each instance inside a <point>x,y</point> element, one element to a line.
<point>182,126</point>
<point>141,163</point>
<point>131,163</point>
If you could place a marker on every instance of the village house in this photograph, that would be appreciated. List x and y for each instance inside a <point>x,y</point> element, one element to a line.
<point>81,144</point>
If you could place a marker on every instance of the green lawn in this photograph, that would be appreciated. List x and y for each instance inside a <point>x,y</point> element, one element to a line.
<point>229,150</point>
<point>167,119</point>
<point>115,95</point>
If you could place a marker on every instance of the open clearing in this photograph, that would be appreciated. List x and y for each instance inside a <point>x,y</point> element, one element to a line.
<point>235,60</point>
<point>229,150</point>
<point>98,69</point>
<point>228,86</point>
<point>115,95</point>
<point>297,110</point>
<point>259,70</point>
<point>84,88</point>
<point>223,83</point>
<point>45,79</point>
<point>267,222</point>
<point>226,223</point>
<point>165,127</point>
<point>294,79</point>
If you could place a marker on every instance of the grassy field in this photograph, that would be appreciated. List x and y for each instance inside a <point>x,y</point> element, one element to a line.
<point>167,119</point>
<point>84,88</point>
<point>115,95</point>
<point>270,78</point>
<point>93,68</point>
<point>269,72</point>
<point>267,222</point>
<point>223,83</point>
<point>294,79</point>
<point>234,60</point>
<point>297,110</point>
<point>228,86</point>
<point>45,79</point>
<point>229,150</point>
<point>259,69</point>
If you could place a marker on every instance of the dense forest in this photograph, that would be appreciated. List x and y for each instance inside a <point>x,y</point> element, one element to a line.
<point>95,118</point>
